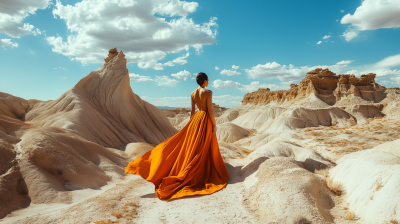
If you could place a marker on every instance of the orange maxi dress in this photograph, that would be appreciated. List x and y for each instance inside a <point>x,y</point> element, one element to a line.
<point>188,163</point>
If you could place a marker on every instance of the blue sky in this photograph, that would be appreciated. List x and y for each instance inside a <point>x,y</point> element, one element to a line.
<point>48,46</point>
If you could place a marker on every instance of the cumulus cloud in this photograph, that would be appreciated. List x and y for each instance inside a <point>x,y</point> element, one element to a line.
<point>12,14</point>
<point>176,8</point>
<point>344,62</point>
<point>350,33</point>
<point>390,61</point>
<point>380,72</point>
<point>165,81</point>
<point>182,75</point>
<point>326,37</point>
<point>319,42</point>
<point>375,14</point>
<point>396,79</point>
<point>371,15</point>
<point>342,11</point>
<point>227,100</point>
<point>235,67</point>
<point>383,69</point>
<point>7,43</point>
<point>229,72</point>
<point>146,30</point>
<point>139,78</point>
<point>181,60</point>
<point>216,68</point>
<point>253,86</point>
<point>289,73</point>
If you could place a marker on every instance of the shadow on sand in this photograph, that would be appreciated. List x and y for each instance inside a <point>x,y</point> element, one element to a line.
<point>237,174</point>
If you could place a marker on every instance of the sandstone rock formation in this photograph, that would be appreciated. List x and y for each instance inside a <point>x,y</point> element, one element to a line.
<point>50,148</point>
<point>102,108</point>
<point>326,85</point>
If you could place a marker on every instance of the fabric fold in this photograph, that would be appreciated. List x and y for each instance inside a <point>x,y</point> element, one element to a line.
<point>188,163</point>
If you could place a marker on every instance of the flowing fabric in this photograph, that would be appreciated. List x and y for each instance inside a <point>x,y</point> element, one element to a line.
<point>188,163</point>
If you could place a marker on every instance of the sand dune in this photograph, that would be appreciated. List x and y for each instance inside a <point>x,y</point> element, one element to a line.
<point>324,151</point>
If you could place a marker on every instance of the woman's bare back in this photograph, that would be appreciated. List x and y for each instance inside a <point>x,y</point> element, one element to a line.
<point>200,96</point>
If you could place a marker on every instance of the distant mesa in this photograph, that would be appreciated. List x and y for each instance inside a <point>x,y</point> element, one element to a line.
<point>326,85</point>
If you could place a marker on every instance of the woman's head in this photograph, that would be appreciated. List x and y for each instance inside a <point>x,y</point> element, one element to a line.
<point>202,79</point>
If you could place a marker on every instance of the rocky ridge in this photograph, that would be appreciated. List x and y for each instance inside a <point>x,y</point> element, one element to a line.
<point>326,85</point>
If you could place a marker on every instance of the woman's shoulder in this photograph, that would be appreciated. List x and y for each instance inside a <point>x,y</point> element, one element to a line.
<point>206,92</point>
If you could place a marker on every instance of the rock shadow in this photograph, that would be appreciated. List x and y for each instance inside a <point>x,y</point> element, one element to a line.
<point>239,173</point>
<point>150,195</point>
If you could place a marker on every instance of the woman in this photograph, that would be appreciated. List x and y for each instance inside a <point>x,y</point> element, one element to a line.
<point>188,163</point>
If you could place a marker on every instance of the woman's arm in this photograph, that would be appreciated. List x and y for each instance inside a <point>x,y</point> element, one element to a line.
<point>211,111</point>
<point>193,106</point>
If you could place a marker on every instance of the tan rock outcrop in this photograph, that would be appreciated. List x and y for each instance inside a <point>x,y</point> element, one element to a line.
<point>326,85</point>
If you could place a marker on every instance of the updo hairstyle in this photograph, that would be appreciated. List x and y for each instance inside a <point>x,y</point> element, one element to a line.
<point>201,77</point>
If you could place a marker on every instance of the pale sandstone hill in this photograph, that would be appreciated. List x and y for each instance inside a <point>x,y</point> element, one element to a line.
<point>371,180</point>
<point>51,148</point>
<point>102,108</point>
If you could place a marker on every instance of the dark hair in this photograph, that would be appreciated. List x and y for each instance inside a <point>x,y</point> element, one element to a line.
<point>201,77</point>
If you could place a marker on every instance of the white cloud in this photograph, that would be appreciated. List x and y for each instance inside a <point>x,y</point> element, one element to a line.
<point>216,68</point>
<point>182,75</point>
<point>350,33</point>
<point>176,8</point>
<point>13,12</point>
<point>319,42</point>
<point>227,100</point>
<point>326,37</point>
<point>36,32</point>
<point>344,62</point>
<point>342,11</point>
<point>380,72</point>
<point>136,28</point>
<point>7,43</point>
<point>228,84</point>
<point>178,60</point>
<point>396,79</point>
<point>169,63</point>
<point>390,61</point>
<point>235,67</point>
<point>181,60</point>
<point>375,14</point>
<point>288,73</point>
<point>139,78</point>
<point>229,72</point>
<point>253,86</point>
<point>165,81</point>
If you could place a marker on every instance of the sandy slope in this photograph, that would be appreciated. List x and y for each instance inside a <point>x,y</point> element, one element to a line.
<point>316,153</point>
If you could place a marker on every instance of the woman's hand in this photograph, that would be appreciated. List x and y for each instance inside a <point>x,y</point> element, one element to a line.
<point>214,129</point>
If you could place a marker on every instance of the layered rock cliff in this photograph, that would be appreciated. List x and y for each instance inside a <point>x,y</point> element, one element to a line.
<point>326,85</point>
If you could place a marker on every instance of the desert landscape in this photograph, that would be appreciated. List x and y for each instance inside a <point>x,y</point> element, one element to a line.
<point>324,151</point>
